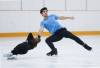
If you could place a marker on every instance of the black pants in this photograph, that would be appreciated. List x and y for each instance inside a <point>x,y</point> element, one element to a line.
<point>21,48</point>
<point>59,34</point>
<point>24,47</point>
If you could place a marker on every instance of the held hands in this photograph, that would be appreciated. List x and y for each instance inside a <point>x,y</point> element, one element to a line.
<point>38,38</point>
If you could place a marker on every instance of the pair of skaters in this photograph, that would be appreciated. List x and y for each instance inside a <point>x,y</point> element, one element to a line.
<point>57,31</point>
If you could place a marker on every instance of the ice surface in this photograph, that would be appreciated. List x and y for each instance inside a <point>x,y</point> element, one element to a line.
<point>70,54</point>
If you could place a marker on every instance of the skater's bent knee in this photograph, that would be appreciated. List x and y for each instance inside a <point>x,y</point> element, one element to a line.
<point>47,40</point>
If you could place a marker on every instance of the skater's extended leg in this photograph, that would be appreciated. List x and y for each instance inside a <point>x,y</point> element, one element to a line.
<point>68,34</point>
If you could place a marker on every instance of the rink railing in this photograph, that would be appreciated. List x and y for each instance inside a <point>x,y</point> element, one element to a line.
<point>21,34</point>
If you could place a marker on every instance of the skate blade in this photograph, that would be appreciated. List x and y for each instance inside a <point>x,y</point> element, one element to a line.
<point>11,58</point>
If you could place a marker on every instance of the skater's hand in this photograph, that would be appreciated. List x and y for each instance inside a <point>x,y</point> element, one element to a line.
<point>38,38</point>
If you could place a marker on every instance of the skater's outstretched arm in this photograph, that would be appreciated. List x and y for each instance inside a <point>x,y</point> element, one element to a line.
<point>64,18</point>
<point>40,32</point>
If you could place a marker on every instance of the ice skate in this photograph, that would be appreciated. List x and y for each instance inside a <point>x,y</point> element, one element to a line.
<point>87,47</point>
<point>13,57</point>
<point>53,52</point>
<point>7,55</point>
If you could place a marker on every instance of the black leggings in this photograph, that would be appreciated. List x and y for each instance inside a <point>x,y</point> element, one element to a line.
<point>59,34</point>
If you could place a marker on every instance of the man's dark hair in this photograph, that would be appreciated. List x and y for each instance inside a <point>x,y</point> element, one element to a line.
<point>44,8</point>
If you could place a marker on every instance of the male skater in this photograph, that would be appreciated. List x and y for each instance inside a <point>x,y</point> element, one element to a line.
<point>57,31</point>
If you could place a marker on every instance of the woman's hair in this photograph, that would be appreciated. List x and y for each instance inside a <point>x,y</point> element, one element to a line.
<point>44,8</point>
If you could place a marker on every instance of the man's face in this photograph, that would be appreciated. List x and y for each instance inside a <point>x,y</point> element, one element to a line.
<point>44,13</point>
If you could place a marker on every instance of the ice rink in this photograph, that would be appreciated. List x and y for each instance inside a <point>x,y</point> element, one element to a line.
<point>70,54</point>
